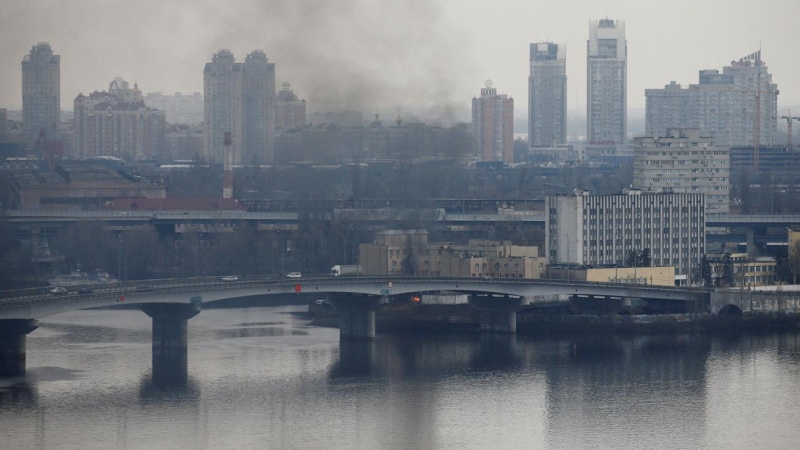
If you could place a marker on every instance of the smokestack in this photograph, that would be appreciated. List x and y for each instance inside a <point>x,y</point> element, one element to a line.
<point>227,174</point>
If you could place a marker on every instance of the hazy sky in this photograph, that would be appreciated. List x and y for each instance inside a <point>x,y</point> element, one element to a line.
<point>424,58</point>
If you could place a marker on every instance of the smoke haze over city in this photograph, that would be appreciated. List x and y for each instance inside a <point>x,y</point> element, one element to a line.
<point>419,58</point>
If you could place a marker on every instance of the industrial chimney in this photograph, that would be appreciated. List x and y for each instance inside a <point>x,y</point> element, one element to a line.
<point>227,174</point>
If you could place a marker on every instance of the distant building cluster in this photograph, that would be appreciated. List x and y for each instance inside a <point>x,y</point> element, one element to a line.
<point>290,111</point>
<point>117,123</point>
<point>722,105</point>
<point>332,143</point>
<point>179,108</point>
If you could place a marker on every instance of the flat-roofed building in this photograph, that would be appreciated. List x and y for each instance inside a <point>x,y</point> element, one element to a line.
<point>597,230</point>
<point>684,161</point>
<point>655,276</point>
<point>81,186</point>
<point>408,252</point>
<point>743,270</point>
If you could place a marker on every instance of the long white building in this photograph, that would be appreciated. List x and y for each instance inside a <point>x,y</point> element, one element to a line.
<point>684,161</point>
<point>603,229</point>
<point>607,83</point>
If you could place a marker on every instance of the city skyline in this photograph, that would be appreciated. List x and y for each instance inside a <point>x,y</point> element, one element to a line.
<point>428,70</point>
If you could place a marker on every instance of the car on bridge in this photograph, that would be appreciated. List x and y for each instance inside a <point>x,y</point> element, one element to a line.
<point>230,278</point>
<point>85,291</point>
<point>58,290</point>
<point>294,275</point>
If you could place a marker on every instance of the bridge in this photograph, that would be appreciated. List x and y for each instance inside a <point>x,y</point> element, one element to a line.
<point>739,228</point>
<point>32,217</point>
<point>171,303</point>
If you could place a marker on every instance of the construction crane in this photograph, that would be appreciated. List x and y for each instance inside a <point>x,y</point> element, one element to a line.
<point>759,64</point>
<point>789,120</point>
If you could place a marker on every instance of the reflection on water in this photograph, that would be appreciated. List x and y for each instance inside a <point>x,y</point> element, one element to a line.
<point>263,378</point>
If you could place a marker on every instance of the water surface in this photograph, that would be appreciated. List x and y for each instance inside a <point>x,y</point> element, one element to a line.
<point>262,378</point>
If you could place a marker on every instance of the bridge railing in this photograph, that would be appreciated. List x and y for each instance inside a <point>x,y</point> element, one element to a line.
<point>153,214</point>
<point>18,297</point>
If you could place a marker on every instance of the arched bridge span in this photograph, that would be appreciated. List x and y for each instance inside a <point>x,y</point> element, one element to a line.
<point>34,305</point>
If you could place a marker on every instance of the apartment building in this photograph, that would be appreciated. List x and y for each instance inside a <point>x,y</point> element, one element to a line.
<point>684,161</point>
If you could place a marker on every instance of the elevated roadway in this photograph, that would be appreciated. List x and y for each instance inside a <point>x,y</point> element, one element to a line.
<point>35,217</point>
<point>171,303</point>
<point>34,304</point>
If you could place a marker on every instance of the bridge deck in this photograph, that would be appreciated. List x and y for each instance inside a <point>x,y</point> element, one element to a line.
<point>36,303</point>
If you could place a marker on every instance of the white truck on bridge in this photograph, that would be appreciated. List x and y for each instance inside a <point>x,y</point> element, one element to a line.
<point>343,270</point>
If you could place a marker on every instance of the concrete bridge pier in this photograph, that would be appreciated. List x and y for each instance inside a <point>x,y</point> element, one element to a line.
<point>357,314</point>
<point>170,327</point>
<point>498,314</point>
<point>12,345</point>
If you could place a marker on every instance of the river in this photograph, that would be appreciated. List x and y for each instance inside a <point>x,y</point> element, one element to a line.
<point>263,378</point>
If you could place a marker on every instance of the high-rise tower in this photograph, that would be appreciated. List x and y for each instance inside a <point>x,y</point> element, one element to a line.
<point>41,93</point>
<point>493,125</point>
<point>223,105</point>
<point>240,99</point>
<point>606,83</point>
<point>547,95</point>
<point>258,98</point>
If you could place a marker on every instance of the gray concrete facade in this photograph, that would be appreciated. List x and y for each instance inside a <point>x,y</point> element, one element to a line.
<point>607,83</point>
<point>547,95</point>
<point>41,93</point>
